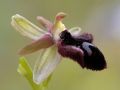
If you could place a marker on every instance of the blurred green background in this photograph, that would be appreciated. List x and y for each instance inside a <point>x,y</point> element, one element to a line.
<point>99,17</point>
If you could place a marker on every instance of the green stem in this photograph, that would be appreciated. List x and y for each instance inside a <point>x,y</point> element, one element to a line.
<point>25,70</point>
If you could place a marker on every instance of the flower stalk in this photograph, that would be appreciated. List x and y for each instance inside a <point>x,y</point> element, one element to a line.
<point>25,70</point>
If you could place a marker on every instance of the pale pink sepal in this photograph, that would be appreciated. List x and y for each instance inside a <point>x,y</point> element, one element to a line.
<point>42,43</point>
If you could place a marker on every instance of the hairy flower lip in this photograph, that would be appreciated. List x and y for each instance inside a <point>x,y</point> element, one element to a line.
<point>73,46</point>
<point>94,58</point>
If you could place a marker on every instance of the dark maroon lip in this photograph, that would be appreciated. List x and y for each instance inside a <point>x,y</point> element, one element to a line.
<point>80,49</point>
<point>95,61</point>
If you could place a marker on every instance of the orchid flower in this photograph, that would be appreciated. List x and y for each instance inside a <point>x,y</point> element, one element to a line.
<point>55,43</point>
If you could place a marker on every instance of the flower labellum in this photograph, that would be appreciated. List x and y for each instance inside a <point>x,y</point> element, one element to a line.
<point>55,43</point>
<point>82,50</point>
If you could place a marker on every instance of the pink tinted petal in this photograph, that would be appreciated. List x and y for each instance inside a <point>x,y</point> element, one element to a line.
<point>45,23</point>
<point>72,52</point>
<point>44,42</point>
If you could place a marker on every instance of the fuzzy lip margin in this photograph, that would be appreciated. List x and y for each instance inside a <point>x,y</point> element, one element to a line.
<point>90,56</point>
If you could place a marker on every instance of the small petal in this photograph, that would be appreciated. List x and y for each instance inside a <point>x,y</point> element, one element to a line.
<point>71,52</point>
<point>26,28</point>
<point>58,22</point>
<point>44,42</point>
<point>45,23</point>
<point>75,31</point>
<point>48,61</point>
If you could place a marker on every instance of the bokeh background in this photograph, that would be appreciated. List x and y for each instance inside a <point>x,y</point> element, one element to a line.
<point>99,17</point>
